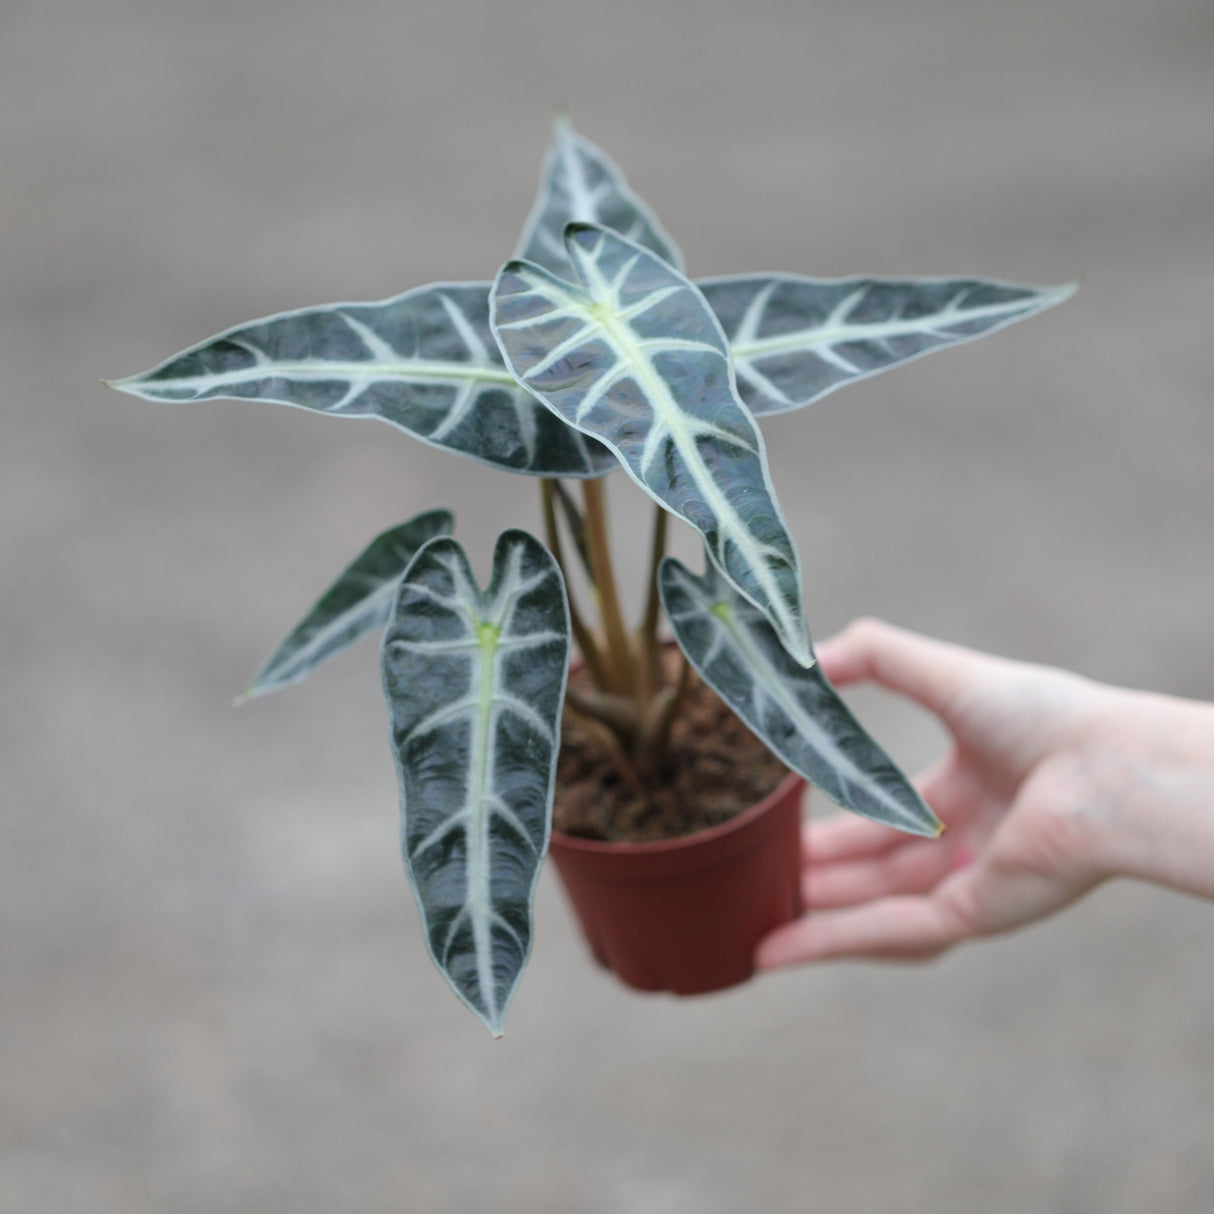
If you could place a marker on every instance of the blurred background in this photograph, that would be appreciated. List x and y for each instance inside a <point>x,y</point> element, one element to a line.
<point>214,996</point>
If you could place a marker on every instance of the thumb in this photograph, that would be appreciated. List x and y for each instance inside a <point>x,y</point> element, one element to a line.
<point>929,672</point>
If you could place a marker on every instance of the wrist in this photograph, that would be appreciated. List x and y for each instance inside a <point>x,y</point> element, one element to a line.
<point>1152,773</point>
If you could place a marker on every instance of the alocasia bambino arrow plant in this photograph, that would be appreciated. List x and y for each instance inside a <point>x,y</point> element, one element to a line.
<point>590,350</point>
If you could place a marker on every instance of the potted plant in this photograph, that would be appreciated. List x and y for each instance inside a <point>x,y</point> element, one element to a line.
<point>591,350</point>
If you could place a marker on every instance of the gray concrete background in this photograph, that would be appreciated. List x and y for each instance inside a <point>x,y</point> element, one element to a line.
<point>214,996</point>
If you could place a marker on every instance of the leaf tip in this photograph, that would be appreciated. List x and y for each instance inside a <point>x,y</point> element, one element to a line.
<point>495,1023</point>
<point>254,691</point>
<point>799,649</point>
<point>1065,290</point>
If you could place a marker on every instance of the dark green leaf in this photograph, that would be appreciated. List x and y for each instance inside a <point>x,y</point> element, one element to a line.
<point>475,682</point>
<point>794,711</point>
<point>795,339</point>
<point>580,184</point>
<point>357,602</point>
<point>634,357</point>
<point>425,362</point>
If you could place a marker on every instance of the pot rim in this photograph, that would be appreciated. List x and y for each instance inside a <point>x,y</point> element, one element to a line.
<point>787,786</point>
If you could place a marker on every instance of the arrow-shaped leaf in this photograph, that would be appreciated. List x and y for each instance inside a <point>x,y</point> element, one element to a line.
<point>357,602</point>
<point>424,361</point>
<point>474,682</point>
<point>794,711</point>
<point>579,183</point>
<point>795,339</point>
<point>635,357</point>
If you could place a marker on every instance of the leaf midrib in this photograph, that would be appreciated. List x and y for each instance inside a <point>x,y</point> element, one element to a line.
<point>479,894</point>
<point>324,370</point>
<point>377,603</point>
<point>629,350</point>
<point>767,677</point>
<point>802,339</point>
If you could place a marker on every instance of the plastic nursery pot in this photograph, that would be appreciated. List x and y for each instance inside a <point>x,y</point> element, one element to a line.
<point>684,915</point>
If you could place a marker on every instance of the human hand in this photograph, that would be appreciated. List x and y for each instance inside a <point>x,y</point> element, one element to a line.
<point>1053,783</point>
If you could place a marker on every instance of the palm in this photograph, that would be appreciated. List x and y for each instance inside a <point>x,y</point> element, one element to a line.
<point>1006,793</point>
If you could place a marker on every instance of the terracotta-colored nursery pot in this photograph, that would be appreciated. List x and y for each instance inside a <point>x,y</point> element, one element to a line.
<point>684,915</point>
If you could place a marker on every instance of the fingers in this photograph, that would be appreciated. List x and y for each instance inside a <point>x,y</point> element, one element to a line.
<point>929,672</point>
<point>902,928</point>
<point>847,837</point>
<point>912,868</point>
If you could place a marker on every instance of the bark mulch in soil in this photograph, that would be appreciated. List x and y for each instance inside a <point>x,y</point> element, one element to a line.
<point>716,768</point>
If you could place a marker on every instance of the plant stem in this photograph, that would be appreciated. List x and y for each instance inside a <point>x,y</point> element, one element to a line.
<point>613,748</point>
<point>618,713</point>
<point>647,635</point>
<point>659,717</point>
<point>621,674</point>
<point>584,637</point>
<point>574,521</point>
